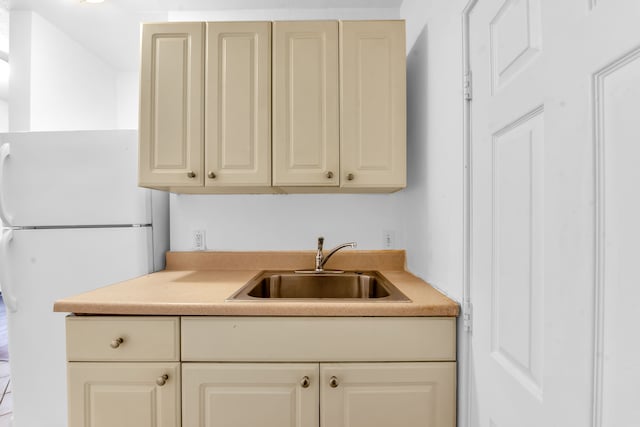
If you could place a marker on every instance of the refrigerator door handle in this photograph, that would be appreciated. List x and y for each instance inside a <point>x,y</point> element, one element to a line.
<point>5,281</point>
<point>4,215</point>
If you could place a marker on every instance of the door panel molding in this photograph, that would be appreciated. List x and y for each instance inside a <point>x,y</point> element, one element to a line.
<point>598,97</point>
<point>518,270</point>
<point>516,22</point>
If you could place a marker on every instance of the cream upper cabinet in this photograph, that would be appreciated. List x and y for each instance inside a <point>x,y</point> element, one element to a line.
<point>238,104</point>
<point>415,394</point>
<point>257,394</point>
<point>373,104</point>
<point>171,105</point>
<point>306,135</point>
<point>261,107</point>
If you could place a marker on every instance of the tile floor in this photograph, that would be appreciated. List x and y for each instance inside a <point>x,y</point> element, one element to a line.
<point>6,401</point>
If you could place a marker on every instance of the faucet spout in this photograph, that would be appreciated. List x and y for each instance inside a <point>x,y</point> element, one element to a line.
<point>321,259</point>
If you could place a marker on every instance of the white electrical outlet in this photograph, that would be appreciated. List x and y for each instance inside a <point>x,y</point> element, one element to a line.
<point>198,240</point>
<point>388,239</point>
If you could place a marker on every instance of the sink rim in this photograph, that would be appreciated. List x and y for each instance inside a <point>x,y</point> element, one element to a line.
<point>395,295</point>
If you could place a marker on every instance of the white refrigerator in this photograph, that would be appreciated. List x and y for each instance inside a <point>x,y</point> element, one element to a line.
<point>74,220</point>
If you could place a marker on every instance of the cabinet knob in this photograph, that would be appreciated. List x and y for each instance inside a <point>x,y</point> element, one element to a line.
<point>329,175</point>
<point>350,176</point>
<point>305,382</point>
<point>211,175</point>
<point>162,380</point>
<point>116,343</point>
<point>333,382</point>
<point>191,174</point>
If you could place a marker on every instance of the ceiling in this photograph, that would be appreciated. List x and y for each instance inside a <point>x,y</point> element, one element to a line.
<point>111,29</point>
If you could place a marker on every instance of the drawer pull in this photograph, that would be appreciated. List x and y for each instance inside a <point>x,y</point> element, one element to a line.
<point>116,343</point>
<point>333,382</point>
<point>350,177</point>
<point>191,174</point>
<point>162,380</point>
<point>211,175</point>
<point>305,382</point>
<point>329,175</point>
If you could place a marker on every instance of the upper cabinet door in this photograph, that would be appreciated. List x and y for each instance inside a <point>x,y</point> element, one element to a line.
<point>171,104</point>
<point>373,103</point>
<point>238,104</point>
<point>305,104</point>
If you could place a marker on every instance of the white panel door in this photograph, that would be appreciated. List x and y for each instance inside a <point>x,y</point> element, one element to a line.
<point>554,202</point>
<point>71,178</point>
<point>248,395</point>
<point>508,179</point>
<point>608,117</point>
<point>617,293</point>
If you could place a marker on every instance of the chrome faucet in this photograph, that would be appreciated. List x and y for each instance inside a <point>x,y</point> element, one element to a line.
<point>321,260</point>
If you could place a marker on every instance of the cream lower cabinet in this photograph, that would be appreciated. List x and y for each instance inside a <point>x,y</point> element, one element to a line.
<point>388,394</point>
<point>394,371</point>
<point>252,394</point>
<point>325,394</point>
<point>124,394</point>
<point>211,371</point>
<point>123,371</point>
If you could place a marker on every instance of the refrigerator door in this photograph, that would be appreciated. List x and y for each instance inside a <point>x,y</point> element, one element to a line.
<point>71,178</point>
<point>39,267</point>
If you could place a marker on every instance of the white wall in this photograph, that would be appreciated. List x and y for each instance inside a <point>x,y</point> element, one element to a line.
<point>56,83</point>
<point>284,222</point>
<point>4,116</point>
<point>283,14</point>
<point>128,99</point>
<point>19,76</point>
<point>280,222</point>
<point>433,200</point>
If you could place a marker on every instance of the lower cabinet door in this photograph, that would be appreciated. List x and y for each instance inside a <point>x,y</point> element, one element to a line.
<point>124,394</point>
<point>388,394</point>
<point>250,395</point>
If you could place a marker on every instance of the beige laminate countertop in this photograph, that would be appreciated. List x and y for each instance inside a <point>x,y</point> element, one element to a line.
<point>198,283</point>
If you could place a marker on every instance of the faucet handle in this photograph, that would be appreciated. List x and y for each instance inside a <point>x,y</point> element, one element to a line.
<point>320,243</point>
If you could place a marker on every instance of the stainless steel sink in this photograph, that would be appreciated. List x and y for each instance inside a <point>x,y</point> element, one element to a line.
<point>368,286</point>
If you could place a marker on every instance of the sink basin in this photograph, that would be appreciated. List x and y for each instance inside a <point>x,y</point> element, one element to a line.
<point>290,286</point>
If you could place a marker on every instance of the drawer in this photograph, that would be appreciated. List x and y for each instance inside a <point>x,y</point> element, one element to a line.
<point>124,338</point>
<point>318,339</point>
